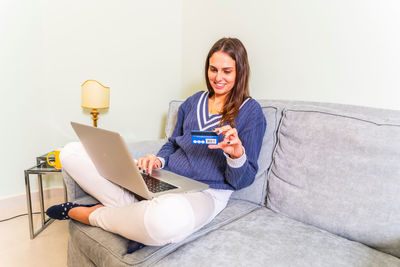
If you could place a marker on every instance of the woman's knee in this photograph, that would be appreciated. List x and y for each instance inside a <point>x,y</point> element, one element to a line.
<point>169,219</point>
<point>70,149</point>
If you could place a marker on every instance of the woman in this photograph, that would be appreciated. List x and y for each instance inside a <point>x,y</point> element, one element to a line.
<point>230,165</point>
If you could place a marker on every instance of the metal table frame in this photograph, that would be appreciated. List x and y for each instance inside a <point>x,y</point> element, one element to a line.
<point>41,168</point>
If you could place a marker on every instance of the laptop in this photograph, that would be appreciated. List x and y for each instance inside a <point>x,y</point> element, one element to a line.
<point>113,161</point>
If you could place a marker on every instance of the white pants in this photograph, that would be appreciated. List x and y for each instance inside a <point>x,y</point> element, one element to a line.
<point>166,219</point>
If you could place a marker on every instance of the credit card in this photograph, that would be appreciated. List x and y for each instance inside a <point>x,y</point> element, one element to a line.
<point>204,138</point>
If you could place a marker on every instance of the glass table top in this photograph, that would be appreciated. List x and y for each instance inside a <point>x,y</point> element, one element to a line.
<point>42,165</point>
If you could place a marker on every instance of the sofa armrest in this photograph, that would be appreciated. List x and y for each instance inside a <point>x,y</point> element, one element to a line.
<point>73,189</point>
<point>137,150</point>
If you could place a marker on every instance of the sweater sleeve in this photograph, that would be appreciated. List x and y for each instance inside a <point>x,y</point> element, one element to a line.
<point>240,175</point>
<point>171,146</point>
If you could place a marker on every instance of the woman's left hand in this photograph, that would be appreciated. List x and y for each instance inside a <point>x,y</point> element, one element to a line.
<point>231,144</point>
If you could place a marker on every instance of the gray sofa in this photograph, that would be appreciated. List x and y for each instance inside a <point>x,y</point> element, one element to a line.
<point>327,193</point>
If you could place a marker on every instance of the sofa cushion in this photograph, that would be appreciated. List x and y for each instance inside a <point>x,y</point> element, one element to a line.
<point>108,249</point>
<point>340,171</point>
<point>255,192</point>
<point>142,148</point>
<point>172,117</point>
<point>265,238</point>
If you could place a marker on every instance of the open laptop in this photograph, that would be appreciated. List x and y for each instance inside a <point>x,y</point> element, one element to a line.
<point>113,161</point>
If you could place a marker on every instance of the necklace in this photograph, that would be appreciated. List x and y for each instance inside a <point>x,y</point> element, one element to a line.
<point>213,108</point>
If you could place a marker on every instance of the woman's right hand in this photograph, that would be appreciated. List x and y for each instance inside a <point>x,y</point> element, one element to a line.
<point>148,163</point>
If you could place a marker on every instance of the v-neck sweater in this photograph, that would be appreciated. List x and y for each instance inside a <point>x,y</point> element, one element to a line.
<point>213,166</point>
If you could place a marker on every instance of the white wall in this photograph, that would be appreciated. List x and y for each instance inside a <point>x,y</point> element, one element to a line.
<point>49,48</point>
<point>150,52</point>
<point>332,51</point>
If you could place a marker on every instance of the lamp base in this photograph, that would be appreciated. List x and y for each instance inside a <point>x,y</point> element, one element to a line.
<point>95,116</point>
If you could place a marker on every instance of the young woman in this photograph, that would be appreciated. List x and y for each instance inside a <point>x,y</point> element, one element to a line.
<point>225,108</point>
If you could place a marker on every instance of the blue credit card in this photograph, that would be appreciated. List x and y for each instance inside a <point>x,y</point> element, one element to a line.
<point>204,138</point>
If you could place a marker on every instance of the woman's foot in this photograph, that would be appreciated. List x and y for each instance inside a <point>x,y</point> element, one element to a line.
<point>61,211</point>
<point>82,213</point>
<point>133,246</point>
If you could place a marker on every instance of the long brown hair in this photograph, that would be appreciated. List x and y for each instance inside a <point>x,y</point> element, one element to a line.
<point>240,91</point>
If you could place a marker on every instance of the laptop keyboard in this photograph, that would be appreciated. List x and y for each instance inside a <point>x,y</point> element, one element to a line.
<point>154,185</point>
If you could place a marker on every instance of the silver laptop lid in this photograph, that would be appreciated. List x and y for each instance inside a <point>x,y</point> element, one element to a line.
<point>113,161</point>
<point>111,158</point>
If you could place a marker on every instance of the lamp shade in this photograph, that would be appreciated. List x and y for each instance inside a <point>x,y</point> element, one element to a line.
<point>95,95</point>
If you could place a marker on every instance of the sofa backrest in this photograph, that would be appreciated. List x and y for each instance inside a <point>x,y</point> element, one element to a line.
<point>333,166</point>
<point>256,192</point>
<point>337,167</point>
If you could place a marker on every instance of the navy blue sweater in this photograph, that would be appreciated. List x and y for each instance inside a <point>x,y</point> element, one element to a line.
<point>209,166</point>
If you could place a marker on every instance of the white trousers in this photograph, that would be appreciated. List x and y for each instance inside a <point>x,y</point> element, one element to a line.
<point>166,219</point>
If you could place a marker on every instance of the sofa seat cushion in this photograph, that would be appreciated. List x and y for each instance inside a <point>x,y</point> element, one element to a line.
<point>266,238</point>
<point>107,249</point>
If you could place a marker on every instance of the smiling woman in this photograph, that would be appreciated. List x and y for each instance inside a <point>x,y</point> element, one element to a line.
<point>227,73</point>
<point>221,73</point>
<point>227,166</point>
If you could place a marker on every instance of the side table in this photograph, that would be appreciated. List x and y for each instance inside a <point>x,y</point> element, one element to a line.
<point>41,168</point>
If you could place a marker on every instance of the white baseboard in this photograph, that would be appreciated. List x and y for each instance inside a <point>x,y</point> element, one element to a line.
<point>14,205</point>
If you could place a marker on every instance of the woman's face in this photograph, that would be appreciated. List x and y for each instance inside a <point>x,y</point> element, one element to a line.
<point>221,73</point>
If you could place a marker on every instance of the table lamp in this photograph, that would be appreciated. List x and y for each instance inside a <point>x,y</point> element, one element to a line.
<point>95,96</point>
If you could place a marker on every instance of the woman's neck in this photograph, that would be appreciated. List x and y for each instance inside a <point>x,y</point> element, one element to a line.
<point>220,99</point>
<point>216,103</point>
